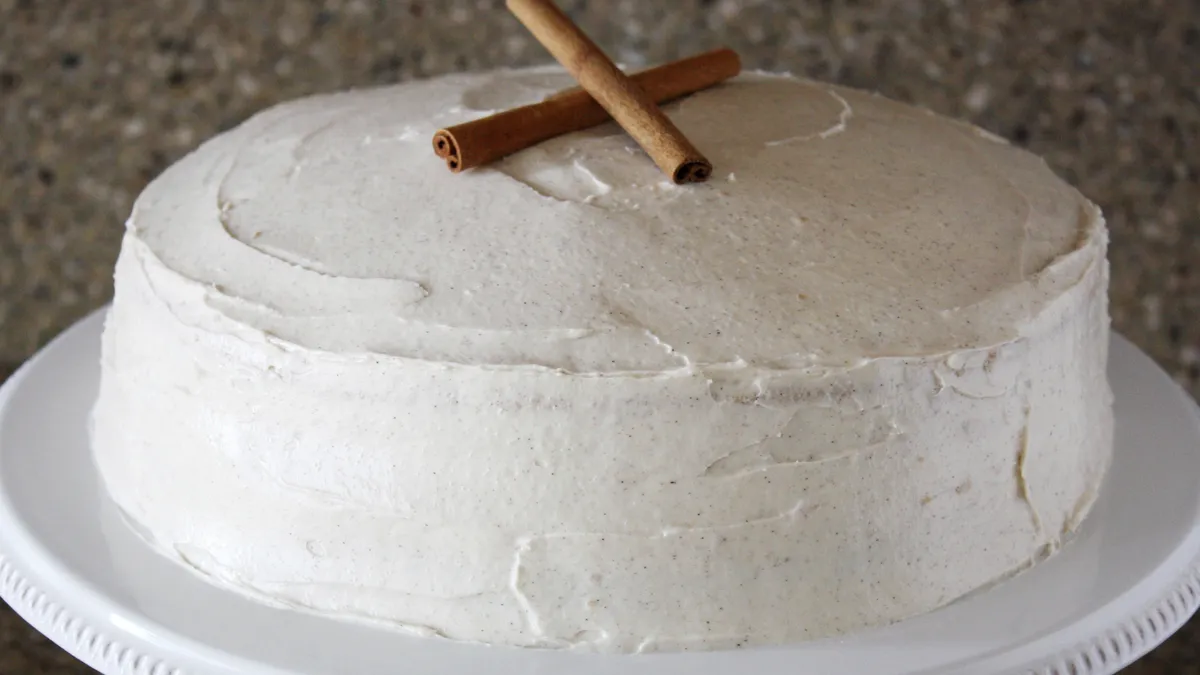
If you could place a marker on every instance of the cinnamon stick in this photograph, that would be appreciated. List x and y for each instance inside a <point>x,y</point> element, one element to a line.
<point>624,100</point>
<point>487,139</point>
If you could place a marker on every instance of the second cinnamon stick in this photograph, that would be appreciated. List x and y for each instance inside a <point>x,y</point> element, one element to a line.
<point>624,100</point>
<point>487,139</point>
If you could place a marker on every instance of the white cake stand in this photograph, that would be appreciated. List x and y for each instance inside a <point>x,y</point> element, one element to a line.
<point>70,566</point>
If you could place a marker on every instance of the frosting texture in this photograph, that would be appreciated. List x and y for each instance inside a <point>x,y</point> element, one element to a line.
<point>562,402</point>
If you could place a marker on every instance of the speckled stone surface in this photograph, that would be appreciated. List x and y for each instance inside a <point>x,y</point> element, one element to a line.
<point>98,97</point>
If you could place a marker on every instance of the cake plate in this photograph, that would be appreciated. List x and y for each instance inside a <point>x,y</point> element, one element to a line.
<point>71,567</point>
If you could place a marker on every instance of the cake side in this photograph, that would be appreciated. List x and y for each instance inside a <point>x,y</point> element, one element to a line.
<point>698,510</point>
<point>631,484</point>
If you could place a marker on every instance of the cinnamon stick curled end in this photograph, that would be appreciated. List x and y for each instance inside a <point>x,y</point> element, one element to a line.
<point>692,171</point>
<point>446,147</point>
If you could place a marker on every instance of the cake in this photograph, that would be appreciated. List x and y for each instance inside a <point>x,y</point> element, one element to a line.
<point>561,402</point>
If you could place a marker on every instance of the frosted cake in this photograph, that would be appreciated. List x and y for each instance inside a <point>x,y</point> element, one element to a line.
<point>561,402</point>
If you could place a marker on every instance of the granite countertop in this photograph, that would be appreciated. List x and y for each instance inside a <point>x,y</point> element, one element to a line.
<point>96,98</point>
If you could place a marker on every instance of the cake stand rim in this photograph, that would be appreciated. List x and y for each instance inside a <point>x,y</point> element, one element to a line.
<point>86,629</point>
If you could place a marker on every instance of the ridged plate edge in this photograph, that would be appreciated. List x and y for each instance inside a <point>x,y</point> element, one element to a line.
<point>1129,640</point>
<point>1116,648</point>
<point>68,631</point>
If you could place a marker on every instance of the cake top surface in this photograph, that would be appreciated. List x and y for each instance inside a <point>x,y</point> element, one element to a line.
<point>838,225</point>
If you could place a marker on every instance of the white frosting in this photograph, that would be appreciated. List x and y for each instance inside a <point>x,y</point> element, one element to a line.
<point>562,402</point>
